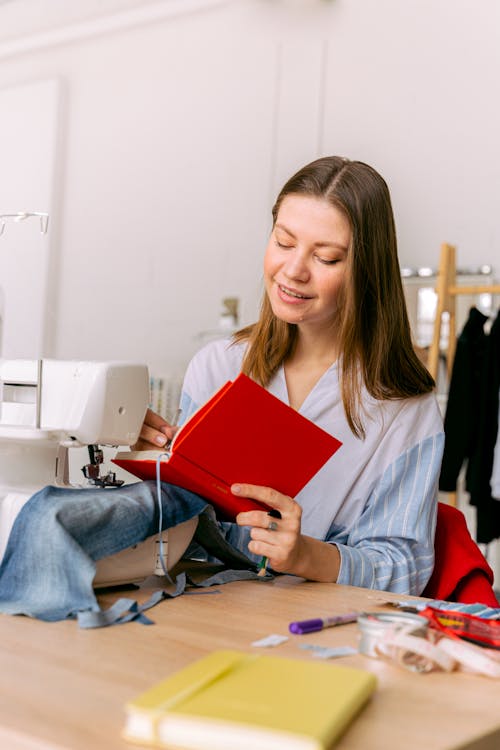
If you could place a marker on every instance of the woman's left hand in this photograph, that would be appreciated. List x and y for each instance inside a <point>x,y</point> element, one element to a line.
<point>278,539</point>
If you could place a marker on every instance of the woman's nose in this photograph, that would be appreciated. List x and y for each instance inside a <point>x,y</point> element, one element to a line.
<point>297,267</point>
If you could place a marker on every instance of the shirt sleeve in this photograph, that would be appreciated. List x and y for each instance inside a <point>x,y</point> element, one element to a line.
<point>211,367</point>
<point>390,547</point>
<point>187,406</point>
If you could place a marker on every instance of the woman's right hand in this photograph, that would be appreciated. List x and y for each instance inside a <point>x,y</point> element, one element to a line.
<point>155,432</point>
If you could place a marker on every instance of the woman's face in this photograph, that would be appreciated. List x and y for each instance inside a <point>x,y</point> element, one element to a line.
<point>305,261</point>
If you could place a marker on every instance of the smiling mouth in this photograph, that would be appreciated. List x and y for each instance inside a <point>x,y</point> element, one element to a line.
<point>291,293</point>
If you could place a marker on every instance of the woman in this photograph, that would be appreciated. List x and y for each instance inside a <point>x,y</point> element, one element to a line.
<point>333,341</point>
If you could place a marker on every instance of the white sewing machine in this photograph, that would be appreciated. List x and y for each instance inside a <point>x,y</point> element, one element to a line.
<point>49,407</point>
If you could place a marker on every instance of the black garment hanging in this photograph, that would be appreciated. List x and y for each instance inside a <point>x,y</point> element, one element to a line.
<point>480,469</point>
<point>461,422</point>
<point>471,420</point>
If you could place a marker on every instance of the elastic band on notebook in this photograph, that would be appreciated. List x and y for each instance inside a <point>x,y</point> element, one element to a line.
<point>160,513</point>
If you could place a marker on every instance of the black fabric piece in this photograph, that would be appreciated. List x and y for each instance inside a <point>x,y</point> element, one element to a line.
<point>461,422</point>
<point>210,538</point>
<point>480,469</point>
<point>471,421</point>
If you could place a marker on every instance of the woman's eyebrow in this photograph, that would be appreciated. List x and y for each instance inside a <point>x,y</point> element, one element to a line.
<point>284,229</point>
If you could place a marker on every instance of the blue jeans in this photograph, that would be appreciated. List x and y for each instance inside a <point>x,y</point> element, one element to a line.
<point>49,564</point>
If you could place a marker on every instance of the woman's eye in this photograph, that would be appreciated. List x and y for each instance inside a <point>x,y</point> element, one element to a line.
<point>328,261</point>
<point>283,245</point>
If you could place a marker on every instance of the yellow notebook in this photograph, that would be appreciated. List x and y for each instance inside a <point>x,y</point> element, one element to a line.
<point>230,699</point>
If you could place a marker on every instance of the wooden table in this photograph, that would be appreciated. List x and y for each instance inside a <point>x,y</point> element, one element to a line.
<point>63,687</point>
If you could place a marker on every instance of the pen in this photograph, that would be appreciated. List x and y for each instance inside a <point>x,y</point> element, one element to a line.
<point>168,444</point>
<point>311,626</point>
<point>262,567</point>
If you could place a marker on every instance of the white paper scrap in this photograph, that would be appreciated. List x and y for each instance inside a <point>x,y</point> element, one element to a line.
<point>325,652</point>
<point>270,640</point>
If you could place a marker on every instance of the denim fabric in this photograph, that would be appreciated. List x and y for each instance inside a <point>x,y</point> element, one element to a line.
<point>49,564</point>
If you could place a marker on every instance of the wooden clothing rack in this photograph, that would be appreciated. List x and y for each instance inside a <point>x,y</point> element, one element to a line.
<point>447,291</point>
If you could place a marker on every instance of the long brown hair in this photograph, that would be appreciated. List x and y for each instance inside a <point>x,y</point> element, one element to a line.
<point>374,336</point>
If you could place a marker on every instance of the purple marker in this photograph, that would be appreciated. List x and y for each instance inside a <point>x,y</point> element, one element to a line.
<point>311,626</point>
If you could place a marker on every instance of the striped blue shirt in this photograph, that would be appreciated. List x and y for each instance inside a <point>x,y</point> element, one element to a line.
<point>376,498</point>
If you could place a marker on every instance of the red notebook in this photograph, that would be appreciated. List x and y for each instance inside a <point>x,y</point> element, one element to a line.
<point>242,434</point>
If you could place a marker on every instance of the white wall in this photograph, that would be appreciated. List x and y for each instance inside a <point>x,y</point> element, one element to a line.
<point>178,130</point>
<point>28,121</point>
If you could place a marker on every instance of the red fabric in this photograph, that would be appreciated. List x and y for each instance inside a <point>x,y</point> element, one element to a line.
<point>461,572</point>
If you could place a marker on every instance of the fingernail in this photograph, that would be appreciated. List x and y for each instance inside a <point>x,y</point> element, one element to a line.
<point>274,513</point>
<point>236,489</point>
<point>160,439</point>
